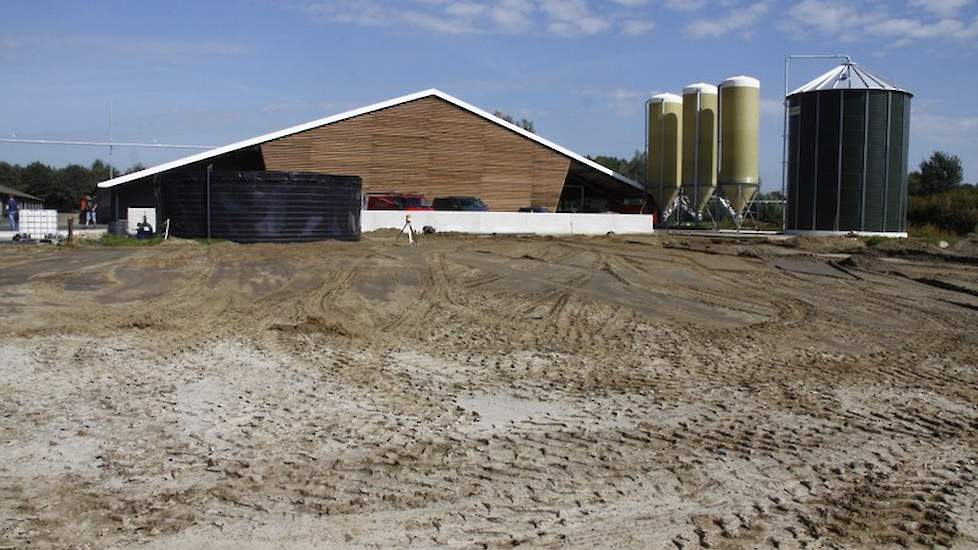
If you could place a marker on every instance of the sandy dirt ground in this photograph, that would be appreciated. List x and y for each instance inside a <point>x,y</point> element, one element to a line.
<point>617,392</point>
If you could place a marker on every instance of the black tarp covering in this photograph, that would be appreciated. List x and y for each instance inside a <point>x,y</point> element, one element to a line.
<point>257,206</point>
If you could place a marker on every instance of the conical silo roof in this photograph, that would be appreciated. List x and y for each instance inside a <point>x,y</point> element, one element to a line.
<point>848,76</point>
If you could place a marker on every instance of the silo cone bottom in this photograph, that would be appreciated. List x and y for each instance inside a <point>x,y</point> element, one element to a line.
<point>668,201</point>
<point>699,203</point>
<point>739,195</point>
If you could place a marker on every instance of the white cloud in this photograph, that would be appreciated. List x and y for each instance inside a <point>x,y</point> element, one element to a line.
<point>944,8</point>
<point>567,18</point>
<point>856,21</point>
<point>684,5</point>
<point>573,17</point>
<point>945,128</point>
<point>127,44</point>
<point>466,9</point>
<point>637,27</point>
<point>622,101</point>
<point>513,16</point>
<point>740,20</point>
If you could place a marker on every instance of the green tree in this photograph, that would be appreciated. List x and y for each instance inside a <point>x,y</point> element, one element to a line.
<point>10,175</point>
<point>769,213</point>
<point>138,167</point>
<point>59,188</point>
<point>522,123</point>
<point>100,171</point>
<point>913,184</point>
<point>38,180</point>
<point>939,173</point>
<point>634,168</point>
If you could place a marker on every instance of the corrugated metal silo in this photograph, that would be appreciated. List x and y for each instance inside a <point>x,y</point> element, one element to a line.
<point>740,121</point>
<point>665,149</point>
<point>848,140</point>
<point>700,103</point>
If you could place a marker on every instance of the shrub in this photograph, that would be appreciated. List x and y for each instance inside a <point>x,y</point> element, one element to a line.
<point>932,233</point>
<point>953,211</point>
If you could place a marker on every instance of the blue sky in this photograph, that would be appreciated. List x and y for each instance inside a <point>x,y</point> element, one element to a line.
<point>214,72</point>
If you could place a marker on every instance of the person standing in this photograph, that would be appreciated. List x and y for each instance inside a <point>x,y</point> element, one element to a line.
<point>92,207</point>
<point>83,209</point>
<point>13,212</point>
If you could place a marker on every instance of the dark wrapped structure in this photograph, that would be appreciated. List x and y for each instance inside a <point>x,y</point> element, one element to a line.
<point>259,206</point>
<point>848,141</point>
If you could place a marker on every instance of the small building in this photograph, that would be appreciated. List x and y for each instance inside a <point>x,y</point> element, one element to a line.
<point>427,143</point>
<point>24,200</point>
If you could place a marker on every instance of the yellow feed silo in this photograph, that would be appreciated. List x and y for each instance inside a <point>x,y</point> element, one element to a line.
<point>700,103</point>
<point>665,150</point>
<point>740,121</point>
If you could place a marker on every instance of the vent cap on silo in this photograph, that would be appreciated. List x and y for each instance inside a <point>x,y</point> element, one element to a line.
<point>741,81</point>
<point>848,76</point>
<point>700,87</point>
<point>666,98</point>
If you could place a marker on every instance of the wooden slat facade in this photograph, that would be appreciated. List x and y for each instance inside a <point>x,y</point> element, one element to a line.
<point>432,147</point>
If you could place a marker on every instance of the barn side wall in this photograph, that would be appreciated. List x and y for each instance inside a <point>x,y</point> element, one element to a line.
<point>432,147</point>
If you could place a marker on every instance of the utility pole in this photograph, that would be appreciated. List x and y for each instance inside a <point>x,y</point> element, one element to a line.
<point>110,137</point>
<point>784,133</point>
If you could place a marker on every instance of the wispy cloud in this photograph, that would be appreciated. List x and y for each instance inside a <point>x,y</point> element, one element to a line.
<point>565,18</point>
<point>739,20</point>
<point>685,5</point>
<point>127,45</point>
<point>948,129</point>
<point>637,27</point>
<point>621,101</point>
<point>573,17</point>
<point>944,8</point>
<point>854,21</point>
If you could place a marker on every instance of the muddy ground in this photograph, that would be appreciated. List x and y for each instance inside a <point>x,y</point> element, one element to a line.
<point>649,392</point>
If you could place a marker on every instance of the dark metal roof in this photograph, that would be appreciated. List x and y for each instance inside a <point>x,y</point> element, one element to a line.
<point>4,190</point>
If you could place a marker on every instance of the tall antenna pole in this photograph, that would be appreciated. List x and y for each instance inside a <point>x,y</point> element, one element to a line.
<point>110,137</point>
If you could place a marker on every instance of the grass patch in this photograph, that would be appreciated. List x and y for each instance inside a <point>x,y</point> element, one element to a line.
<point>122,240</point>
<point>211,241</point>
<point>933,234</point>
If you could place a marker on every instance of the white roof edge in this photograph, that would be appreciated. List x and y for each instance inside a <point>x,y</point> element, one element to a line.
<point>700,87</point>
<point>741,81</point>
<point>666,98</point>
<point>362,111</point>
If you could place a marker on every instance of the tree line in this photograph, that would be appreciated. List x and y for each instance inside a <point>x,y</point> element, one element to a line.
<point>939,199</point>
<point>60,188</point>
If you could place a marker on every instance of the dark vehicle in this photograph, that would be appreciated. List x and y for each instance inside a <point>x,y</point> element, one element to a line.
<point>536,209</point>
<point>397,201</point>
<point>460,204</point>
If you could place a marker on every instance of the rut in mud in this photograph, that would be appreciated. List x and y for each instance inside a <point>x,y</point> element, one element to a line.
<point>636,392</point>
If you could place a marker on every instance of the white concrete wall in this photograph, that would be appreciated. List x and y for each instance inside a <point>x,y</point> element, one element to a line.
<point>508,222</point>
